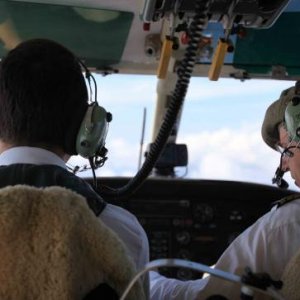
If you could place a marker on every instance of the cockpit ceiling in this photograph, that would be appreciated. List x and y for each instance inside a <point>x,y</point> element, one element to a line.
<point>109,37</point>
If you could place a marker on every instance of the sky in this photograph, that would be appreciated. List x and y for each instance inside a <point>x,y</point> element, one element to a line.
<point>220,123</point>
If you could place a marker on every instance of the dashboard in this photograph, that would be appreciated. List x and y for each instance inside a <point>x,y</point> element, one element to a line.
<point>194,219</point>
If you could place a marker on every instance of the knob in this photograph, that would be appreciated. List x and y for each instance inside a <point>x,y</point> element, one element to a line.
<point>204,213</point>
<point>183,237</point>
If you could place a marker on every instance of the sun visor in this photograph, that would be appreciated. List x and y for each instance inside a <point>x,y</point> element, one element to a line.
<point>97,36</point>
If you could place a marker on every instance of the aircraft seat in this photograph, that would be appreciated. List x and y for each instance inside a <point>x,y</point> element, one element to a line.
<point>291,278</point>
<point>52,246</point>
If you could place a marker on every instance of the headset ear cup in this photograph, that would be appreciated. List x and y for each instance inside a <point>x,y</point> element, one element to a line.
<point>92,132</point>
<point>292,120</point>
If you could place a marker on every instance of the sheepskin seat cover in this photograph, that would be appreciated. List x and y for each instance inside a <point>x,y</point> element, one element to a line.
<point>52,246</point>
<point>291,279</point>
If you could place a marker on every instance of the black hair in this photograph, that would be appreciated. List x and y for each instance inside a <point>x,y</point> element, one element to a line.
<point>43,95</point>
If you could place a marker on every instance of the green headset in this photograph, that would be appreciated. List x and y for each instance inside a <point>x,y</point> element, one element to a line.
<point>90,140</point>
<point>292,118</point>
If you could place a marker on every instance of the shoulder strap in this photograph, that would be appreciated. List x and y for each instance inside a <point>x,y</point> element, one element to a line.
<point>51,175</point>
<point>286,200</point>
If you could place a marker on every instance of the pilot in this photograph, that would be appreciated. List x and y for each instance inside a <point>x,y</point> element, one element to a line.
<point>268,245</point>
<point>43,100</point>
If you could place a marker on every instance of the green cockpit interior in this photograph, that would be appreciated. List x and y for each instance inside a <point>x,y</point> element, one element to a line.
<point>96,36</point>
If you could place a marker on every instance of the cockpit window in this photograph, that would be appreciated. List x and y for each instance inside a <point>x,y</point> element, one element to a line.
<point>220,124</point>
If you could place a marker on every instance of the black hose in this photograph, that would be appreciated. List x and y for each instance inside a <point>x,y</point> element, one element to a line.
<point>184,73</point>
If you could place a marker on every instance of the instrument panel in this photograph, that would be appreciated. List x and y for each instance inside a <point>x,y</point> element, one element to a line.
<point>195,219</point>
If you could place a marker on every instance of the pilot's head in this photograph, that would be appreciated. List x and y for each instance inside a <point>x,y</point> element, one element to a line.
<point>43,96</point>
<point>281,130</point>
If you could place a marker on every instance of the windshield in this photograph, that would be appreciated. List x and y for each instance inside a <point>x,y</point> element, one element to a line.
<point>220,124</point>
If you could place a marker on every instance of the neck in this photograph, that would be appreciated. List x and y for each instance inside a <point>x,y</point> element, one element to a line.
<point>4,146</point>
<point>55,149</point>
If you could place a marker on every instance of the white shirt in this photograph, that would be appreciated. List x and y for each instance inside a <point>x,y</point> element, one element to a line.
<point>266,246</point>
<point>118,219</point>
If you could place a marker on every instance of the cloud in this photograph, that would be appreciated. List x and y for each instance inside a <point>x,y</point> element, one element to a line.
<point>224,154</point>
<point>123,156</point>
<point>204,89</point>
<point>231,154</point>
<point>122,160</point>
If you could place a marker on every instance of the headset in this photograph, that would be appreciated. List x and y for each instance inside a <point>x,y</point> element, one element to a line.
<point>292,118</point>
<point>90,140</point>
<point>292,125</point>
